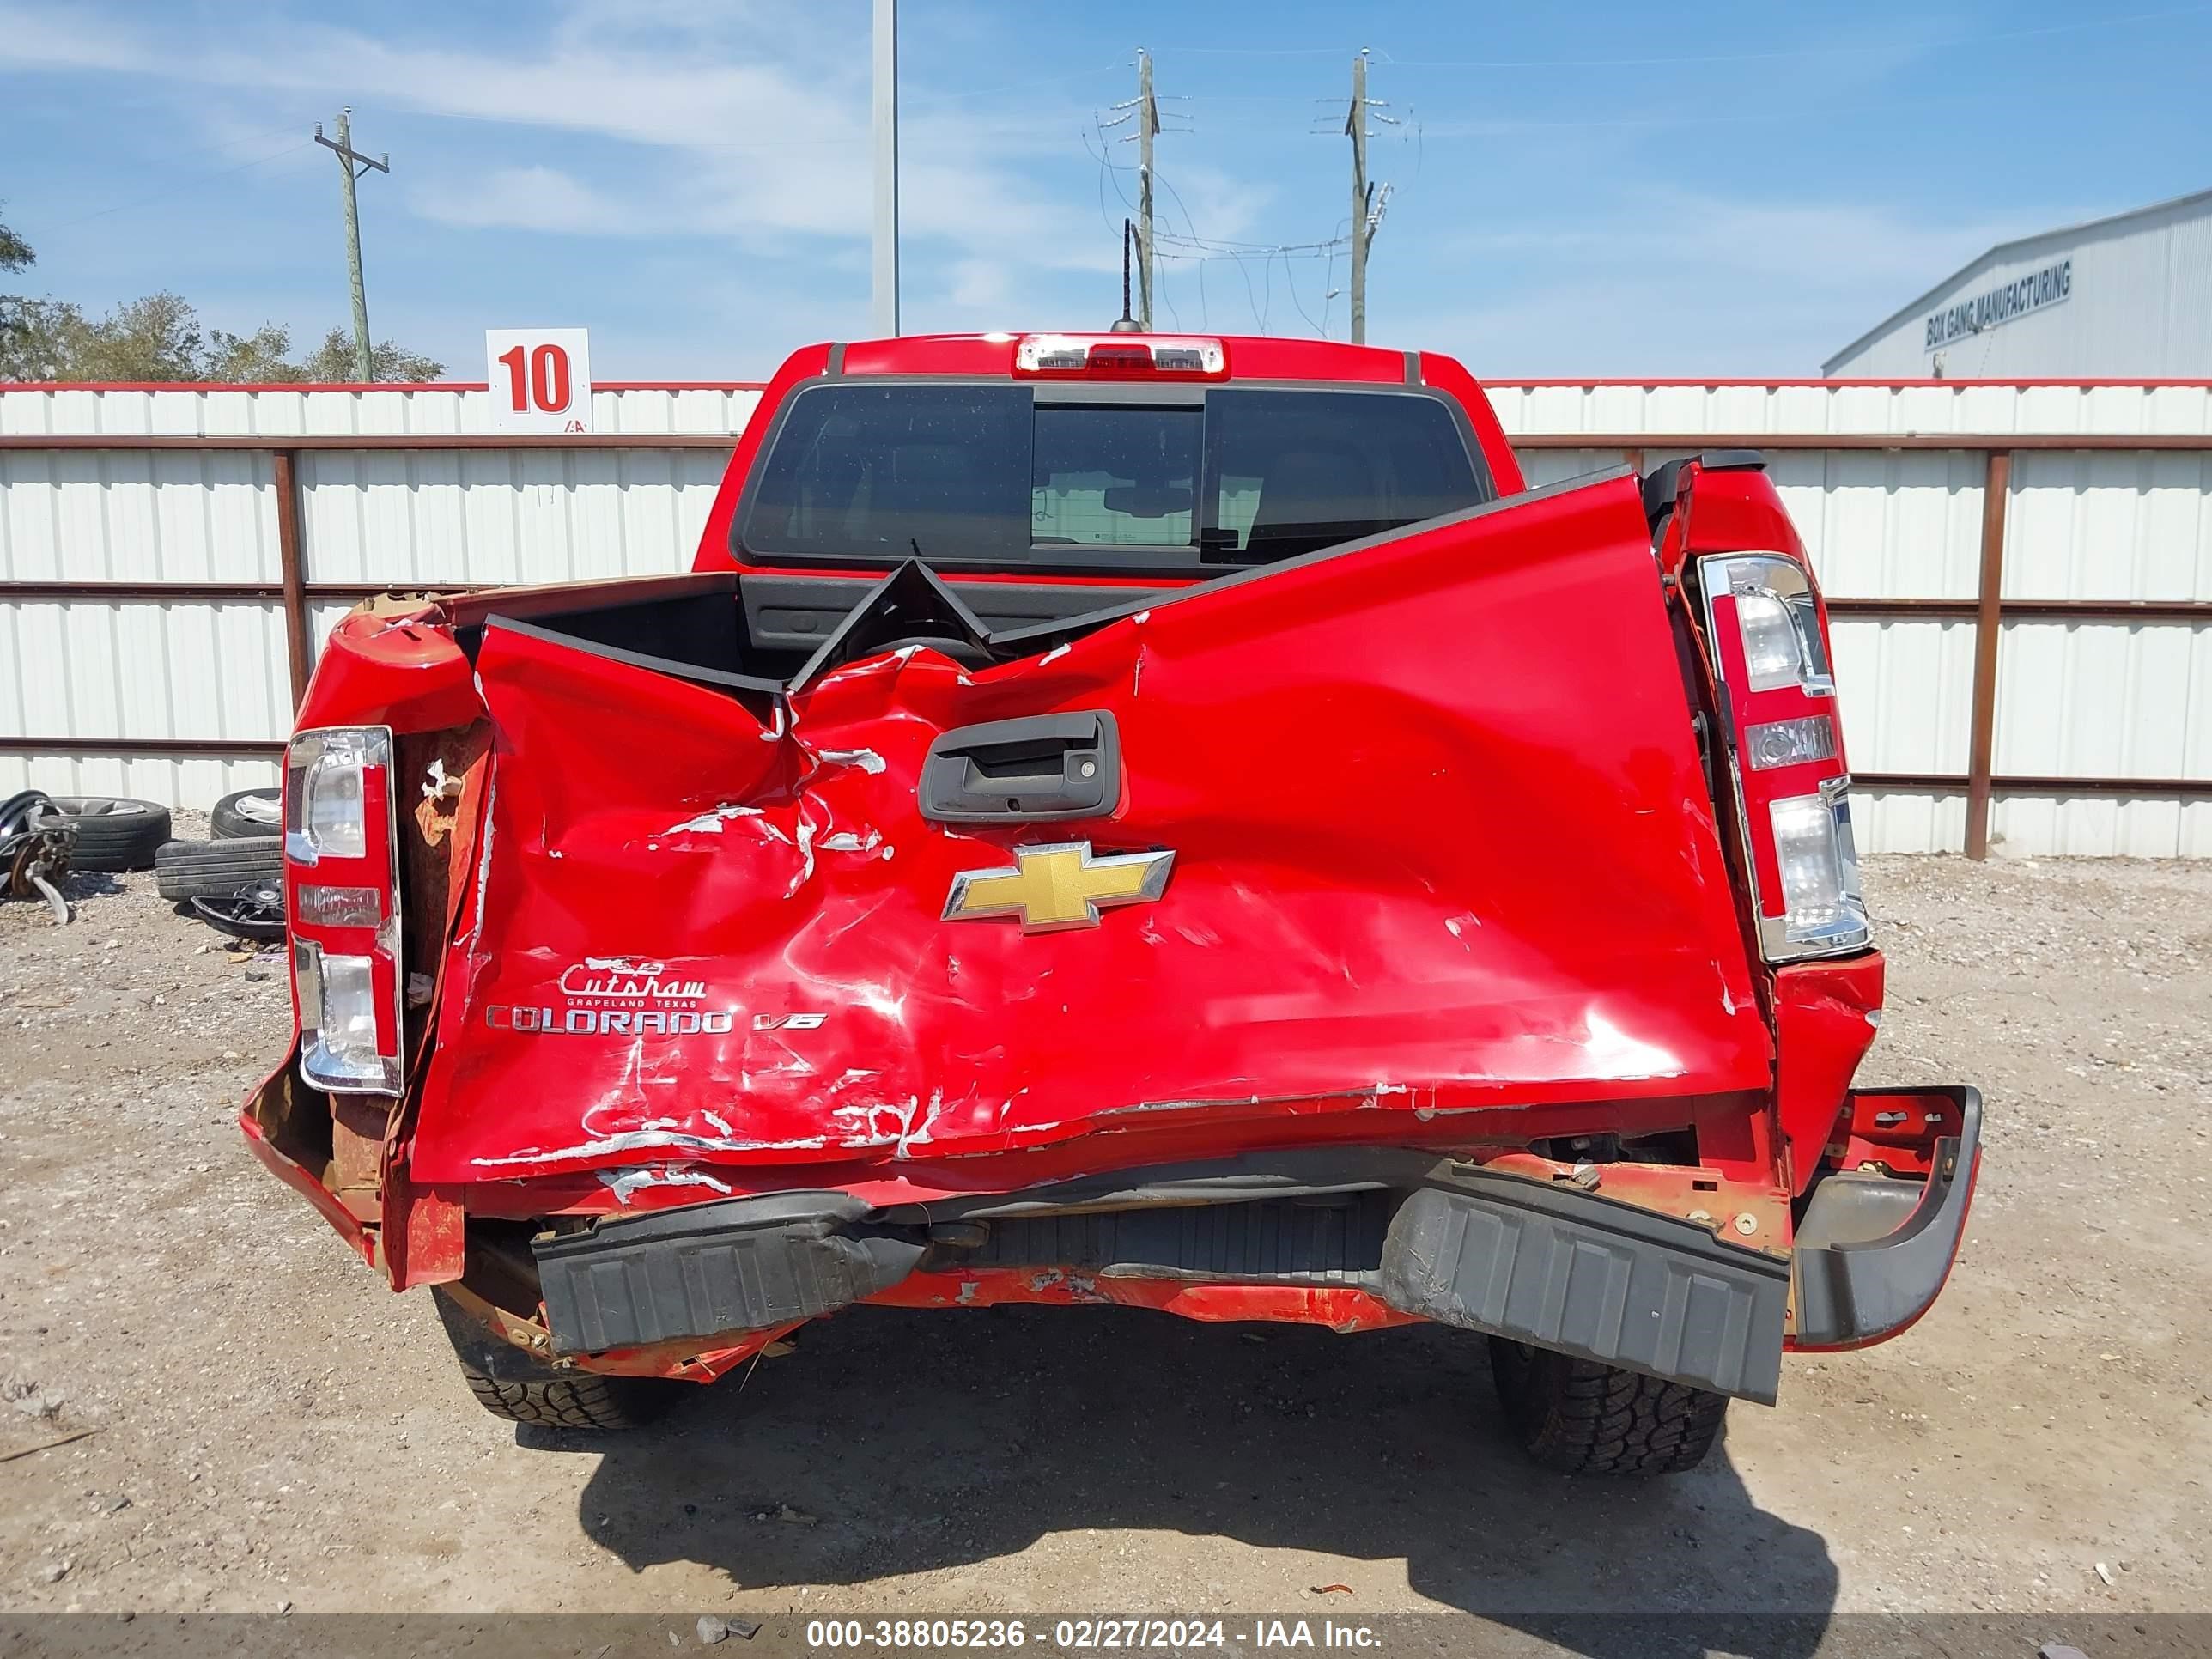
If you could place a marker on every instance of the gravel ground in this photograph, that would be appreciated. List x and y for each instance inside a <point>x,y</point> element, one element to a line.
<point>273,1429</point>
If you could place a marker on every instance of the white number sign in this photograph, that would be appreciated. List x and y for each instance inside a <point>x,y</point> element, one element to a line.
<point>541,378</point>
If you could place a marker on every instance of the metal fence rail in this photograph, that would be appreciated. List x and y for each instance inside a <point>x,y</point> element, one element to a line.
<point>305,522</point>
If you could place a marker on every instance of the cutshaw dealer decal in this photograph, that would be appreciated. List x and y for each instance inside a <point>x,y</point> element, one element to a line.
<point>616,996</point>
<point>631,996</point>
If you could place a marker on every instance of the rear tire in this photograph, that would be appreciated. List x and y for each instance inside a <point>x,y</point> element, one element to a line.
<point>112,834</point>
<point>1584,1418</point>
<point>216,869</point>
<point>582,1400</point>
<point>508,1384</point>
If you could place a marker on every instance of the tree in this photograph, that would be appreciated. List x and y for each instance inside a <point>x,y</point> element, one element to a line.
<point>36,338</point>
<point>262,356</point>
<point>155,338</point>
<point>15,252</point>
<point>30,330</point>
<point>388,360</point>
<point>159,339</point>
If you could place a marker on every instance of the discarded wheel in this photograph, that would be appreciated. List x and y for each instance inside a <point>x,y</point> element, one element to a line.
<point>33,855</point>
<point>255,911</point>
<point>185,870</point>
<point>247,813</point>
<point>15,810</point>
<point>113,833</point>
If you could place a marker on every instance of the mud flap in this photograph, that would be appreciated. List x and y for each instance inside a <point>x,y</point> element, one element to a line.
<point>1585,1275</point>
<point>744,1264</point>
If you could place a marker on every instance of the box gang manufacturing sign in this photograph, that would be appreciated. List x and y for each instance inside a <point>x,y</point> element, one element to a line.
<point>2002,304</point>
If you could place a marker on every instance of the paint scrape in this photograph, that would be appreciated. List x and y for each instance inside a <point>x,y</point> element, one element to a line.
<point>625,1181</point>
<point>710,824</point>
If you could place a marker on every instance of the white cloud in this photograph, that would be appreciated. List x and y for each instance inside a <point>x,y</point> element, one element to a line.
<point>979,283</point>
<point>526,198</point>
<point>1675,281</point>
<point>768,112</point>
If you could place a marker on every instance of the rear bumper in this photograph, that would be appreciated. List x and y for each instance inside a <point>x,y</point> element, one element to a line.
<point>1544,1263</point>
<point>1873,1252</point>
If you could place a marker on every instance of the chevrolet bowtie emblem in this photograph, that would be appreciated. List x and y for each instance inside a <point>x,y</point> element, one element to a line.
<point>1058,885</point>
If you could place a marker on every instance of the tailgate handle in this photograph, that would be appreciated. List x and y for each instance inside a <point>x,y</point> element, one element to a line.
<point>1047,766</point>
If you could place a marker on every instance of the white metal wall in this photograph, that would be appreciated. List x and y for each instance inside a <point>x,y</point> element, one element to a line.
<point>2090,698</point>
<point>291,412</point>
<point>187,669</point>
<point>2086,698</point>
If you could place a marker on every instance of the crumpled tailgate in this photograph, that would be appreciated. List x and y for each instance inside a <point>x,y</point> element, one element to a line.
<point>1441,843</point>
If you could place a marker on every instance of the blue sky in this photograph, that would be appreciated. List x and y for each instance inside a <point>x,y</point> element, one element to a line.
<point>1596,189</point>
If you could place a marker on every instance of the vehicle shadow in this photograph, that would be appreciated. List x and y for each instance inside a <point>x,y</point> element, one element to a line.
<point>895,1443</point>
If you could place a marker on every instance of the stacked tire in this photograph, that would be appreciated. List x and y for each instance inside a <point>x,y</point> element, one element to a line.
<point>113,833</point>
<point>246,849</point>
<point>247,815</point>
<point>186,869</point>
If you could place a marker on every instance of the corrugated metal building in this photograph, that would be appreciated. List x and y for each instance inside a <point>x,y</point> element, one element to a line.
<point>2128,297</point>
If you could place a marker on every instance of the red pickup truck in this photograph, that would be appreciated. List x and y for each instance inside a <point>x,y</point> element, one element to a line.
<point>1166,822</point>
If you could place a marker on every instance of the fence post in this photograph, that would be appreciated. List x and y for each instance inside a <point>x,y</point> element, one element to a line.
<point>284,472</point>
<point>1988,617</point>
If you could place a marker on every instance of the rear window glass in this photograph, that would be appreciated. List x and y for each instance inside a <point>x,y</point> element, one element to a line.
<point>1114,477</point>
<point>979,475</point>
<point>1302,470</point>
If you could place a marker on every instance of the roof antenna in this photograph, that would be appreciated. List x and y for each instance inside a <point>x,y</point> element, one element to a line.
<point>1126,324</point>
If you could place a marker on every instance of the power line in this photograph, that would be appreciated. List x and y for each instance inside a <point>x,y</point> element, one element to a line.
<point>1783,54</point>
<point>1289,282</point>
<point>170,195</point>
<point>1328,290</point>
<point>1981,38</point>
<point>1170,247</point>
<point>925,97</point>
<point>1257,51</point>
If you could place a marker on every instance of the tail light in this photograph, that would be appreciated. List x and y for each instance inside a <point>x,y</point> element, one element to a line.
<point>342,896</point>
<point>1785,753</point>
<point>1112,354</point>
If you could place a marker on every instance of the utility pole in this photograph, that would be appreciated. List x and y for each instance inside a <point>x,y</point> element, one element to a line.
<point>1146,112</point>
<point>364,362</point>
<point>1148,125</point>
<point>886,283</point>
<point>1355,123</point>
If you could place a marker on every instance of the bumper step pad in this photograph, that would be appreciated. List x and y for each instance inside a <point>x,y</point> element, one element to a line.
<point>1586,1276</point>
<point>741,1266</point>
